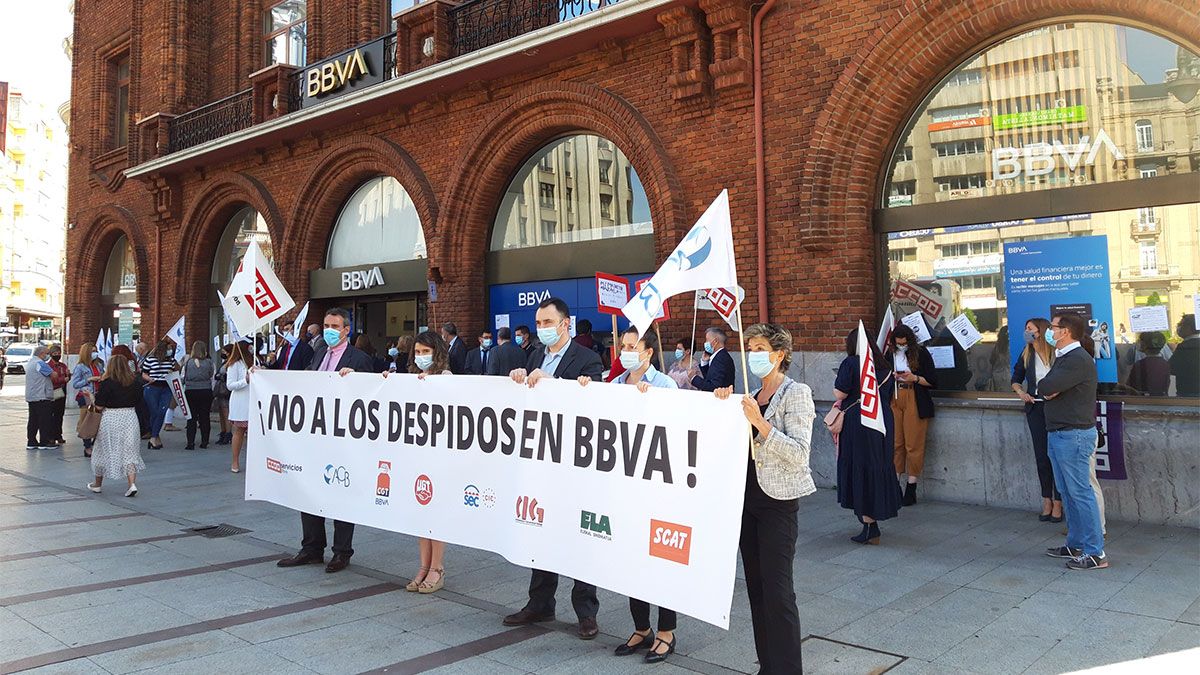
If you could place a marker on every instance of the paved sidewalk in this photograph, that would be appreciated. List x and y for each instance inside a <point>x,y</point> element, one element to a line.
<point>104,584</point>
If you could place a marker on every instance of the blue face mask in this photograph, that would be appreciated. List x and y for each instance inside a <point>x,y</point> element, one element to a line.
<point>520,340</point>
<point>332,336</point>
<point>760,363</point>
<point>423,361</point>
<point>708,348</point>
<point>393,352</point>
<point>487,343</point>
<point>95,355</point>
<point>548,336</point>
<point>631,360</point>
<point>1050,336</point>
<point>678,353</point>
<point>1030,336</point>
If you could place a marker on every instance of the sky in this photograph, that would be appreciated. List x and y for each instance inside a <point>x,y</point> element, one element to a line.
<point>31,49</point>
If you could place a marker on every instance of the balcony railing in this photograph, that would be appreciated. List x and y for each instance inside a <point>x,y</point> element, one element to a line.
<point>297,82</point>
<point>482,23</point>
<point>212,121</point>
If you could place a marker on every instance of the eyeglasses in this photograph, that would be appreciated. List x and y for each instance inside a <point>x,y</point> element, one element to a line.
<point>1056,325</point>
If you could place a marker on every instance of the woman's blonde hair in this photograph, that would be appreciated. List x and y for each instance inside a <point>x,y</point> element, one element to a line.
<point>199,350</point>
<point>85,353</point>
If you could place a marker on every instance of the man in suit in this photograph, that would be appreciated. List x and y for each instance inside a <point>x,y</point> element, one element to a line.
<point>506,356</point>
<point>716,367</point>
<point>563,358</point>
<point>294,354</point>
<point>478,358</point>
<point>337,355</point>
<point>458,351</point>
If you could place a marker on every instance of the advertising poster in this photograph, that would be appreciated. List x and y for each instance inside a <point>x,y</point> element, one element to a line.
<point>1067,274</point>
<point>1110,447</point>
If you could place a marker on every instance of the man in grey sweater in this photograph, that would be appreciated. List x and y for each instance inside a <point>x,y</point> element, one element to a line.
<point>39,394</point>
<point>1070,392</point>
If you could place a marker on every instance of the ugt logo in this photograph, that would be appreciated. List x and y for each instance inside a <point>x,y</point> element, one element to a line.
<point>594,525</point>
<point>529,512</point>
<point>423,490</point>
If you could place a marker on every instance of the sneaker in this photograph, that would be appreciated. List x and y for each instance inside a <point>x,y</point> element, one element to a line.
<point>47,447</point>
<point>31,447</point>
<point>132,491</point>
<point>1088,562</point>
<point>1064,552</point>
<point>93,488</point>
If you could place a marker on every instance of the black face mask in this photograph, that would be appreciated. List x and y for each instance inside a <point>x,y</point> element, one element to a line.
<point>55,357</point>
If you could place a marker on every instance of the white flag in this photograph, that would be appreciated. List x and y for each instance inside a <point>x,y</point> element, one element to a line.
<point>298,322</point>
<point>870,406</point>
<point>176,332</point>
<point>704,259</point>
<point>885,329</point>
<point>255,296</point>
<point>100,346</point>
<point>108,344</point>
<point>723,301</point>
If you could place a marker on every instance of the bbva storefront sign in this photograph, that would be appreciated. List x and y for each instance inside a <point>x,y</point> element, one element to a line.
<point>341,74</point>
<point>385,278</point>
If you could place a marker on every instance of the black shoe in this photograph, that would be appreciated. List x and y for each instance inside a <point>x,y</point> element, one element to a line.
<point>588,628</point>
<point>204,446</point>
<point>1056,519</point>
<point>1045,517</point>
<point>189,446</point>
<point>1064,552</point>
<point>627,649</point>
<point>658,657</point>
<point>869,535</point>
<point>526,617</point>
<point>301,558</point>
<point>910,495</point>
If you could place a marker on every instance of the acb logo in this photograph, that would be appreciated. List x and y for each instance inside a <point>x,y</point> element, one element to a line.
<point>670,541</point>
<point>529,512</point>
<point>423,490</point>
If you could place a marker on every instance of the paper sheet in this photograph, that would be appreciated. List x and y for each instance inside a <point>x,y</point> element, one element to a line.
<point>964,331</point>
<point>1148,319</point>
<point>943,357</point>
<point>916,322</point>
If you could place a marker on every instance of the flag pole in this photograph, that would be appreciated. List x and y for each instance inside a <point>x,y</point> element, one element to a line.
<point>612,355</point>
<point>662,364</point>
<point>695,316</point>
<point>745,367</point>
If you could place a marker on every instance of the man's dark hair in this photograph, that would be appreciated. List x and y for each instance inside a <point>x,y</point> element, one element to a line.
<point>485,331</point>
<point>504,333</point>
<point>583,327</point>
<point>559,306</point>
<point>449,328</point>
<point>522,329</point>
<point>1187,325</point>
<point>1077,328</point>
<point>338,311</point>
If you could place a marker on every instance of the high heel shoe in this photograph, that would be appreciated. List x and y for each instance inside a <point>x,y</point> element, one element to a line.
<point>658,657</point>
<point>869,535</point>
<point>627,649</point>
<point>861,537</point>
<point>415,585</point>
<point>426,588</point>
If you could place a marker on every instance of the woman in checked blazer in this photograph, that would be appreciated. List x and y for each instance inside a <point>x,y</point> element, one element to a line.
<point>781,415</point>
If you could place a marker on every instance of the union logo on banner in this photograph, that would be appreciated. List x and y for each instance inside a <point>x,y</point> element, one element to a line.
<point>264,301</point>
<point>904,292</point>
<point>870,411</point>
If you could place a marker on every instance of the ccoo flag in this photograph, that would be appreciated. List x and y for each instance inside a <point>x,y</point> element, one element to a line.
<point>870,406</point>
<point>703,260</point>
<point>256,296</point>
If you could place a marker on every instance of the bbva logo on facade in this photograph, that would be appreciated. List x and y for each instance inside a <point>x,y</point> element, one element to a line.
<point>357,280</point>
<point>532,298</point>
<point>1038,159</point>
<point>334,75</point>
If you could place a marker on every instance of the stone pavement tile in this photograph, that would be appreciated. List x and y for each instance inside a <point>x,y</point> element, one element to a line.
<point>1191,614</point>
<point>1172,575</point>
<point>969,571</point>
<point>211,551</point>
<point>913,666</point>
<point>824,615</point>
<point>1082,588</point>
<point>76,667</point>
<point>66,603</point>
<point>1179,637</point>
<point>136,528</point>
<point>1042,617</point>
<point>812,576</point>
<point>921,597</point>
<point>1106,637</point>
<point>825,657</point>
<point>249,660</point>
<point>1015,580</point>
<point>515,593</point>
<point>310,580</point>
<point>132,551</point>
<point>220,594</point>
<point>292,624</point>
<point>476,666</point>
<point>386,602</point>
<point>996,655</point>
<point>96,624</point>
<point>1152,598</point>
<point>872,558</point>
<point>158,654</point>
<point>971,607</point>
<point>461,629</point>
<point>928,565</point>
<point>353,647</point>
<point>53,575</point>
<point>735,650</point>
<point>875,623</point>
<point>19,638</point>
<point>920,636</point>
<point>428,614</point>
<point>609,664</point>
<point>876,588</point>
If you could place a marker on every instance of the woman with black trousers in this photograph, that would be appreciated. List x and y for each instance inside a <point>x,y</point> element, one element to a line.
<point>198,389</point>
<point>1028,371</point>
<point>781,415</point>
<point>912,406</point>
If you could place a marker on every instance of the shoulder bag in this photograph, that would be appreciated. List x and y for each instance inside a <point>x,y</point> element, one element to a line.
<point>89,421</point>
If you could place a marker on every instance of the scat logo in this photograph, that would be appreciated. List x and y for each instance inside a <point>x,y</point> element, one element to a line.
<point>670,541</point>
<point>423,490</point>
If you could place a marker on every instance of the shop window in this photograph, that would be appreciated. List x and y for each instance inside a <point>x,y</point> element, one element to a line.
<point>591,204</point>
<point>120,102</point>
<point>379,223</point>
<point>120,275</point>
<point>285,26</point>
<point>1078,99</point>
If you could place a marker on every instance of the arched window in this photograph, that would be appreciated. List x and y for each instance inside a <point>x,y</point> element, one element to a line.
<point>578,188</point>
<point>1145,135</point>
<point>379,223</point>
<point>120,274</point>
<point>245,226</point>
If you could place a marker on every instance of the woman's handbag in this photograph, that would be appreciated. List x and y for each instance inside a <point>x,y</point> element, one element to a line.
<point>836,417</point>
<point>89,421</point>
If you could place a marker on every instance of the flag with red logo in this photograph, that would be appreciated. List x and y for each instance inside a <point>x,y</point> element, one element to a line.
<point>255,296</point>
<point>870,407</point>
<point>885,329</point>
<point>723,301</point>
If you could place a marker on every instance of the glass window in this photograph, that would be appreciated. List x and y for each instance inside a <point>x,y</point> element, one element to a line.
<point>120,275</point>
<point>245,226</point>
<point>379,223</point>
<point>1054,107</point>
<point>595,194</point>
<point>285,27</point>
<point>120,114</point>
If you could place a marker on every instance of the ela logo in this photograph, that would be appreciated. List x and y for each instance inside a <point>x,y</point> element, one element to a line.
<point>528,511</point>
<point>423,490</point>
<point>595,526</point>
<point>670,541</point>
<point>383,484</point>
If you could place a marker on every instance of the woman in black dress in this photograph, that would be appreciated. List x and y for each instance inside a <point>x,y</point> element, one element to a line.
<point>866,478</point>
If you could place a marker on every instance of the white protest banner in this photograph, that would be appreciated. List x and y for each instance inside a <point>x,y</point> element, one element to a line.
<point>964,331</point>
<point>916,322</point>
<point>175,384</point>
<point>1149,319</point>
<point>589,482</point>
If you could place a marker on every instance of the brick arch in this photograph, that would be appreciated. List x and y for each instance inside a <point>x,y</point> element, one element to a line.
<point>537,115</point>
<point>105,226</point>
<point>331,182</point>
<point>885,82</point>
<point>204,223</point>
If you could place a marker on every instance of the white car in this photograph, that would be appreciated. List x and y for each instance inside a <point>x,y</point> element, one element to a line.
<point>18,354</point>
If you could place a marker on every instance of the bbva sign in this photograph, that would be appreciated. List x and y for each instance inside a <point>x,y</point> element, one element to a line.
<point>358,280</point>
<point>1039,159</point>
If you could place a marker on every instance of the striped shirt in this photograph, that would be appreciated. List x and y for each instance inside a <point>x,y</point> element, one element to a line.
<point>157,369</point>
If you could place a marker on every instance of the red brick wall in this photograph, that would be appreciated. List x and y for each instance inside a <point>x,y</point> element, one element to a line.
<point>840,80</point>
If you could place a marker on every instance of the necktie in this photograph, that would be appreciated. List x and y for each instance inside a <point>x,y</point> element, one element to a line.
<point>483,359</point>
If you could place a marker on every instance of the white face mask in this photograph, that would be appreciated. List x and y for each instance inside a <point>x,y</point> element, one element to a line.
<point>631,360</point>
<point>901,348</point>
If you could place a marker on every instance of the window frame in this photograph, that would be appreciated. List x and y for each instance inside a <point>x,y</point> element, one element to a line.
<point>270,33</point>
<point>118,136</point>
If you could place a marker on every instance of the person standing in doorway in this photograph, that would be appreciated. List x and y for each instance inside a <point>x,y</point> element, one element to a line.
<point>912,407</point>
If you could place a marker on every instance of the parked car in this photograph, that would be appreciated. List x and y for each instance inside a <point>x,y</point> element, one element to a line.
<point>17,354</point>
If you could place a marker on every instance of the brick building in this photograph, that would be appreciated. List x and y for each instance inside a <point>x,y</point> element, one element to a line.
<point>451,161</point>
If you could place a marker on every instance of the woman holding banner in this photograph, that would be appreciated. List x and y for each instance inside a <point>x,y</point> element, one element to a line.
<point>781,416</point>
<point>237,378</point>
<point>431,356</point>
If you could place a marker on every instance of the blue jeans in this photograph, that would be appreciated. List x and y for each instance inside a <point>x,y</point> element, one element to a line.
<point>158,399</point>
<point>1071,453</point>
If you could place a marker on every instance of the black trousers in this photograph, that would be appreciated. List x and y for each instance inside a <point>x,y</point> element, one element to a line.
<point>58,409</point>
<point>640,611</point>
<point>314,535</point>
<point>40,428</point>
<point>542,587</point>
<point>200,401</point>
<point>143,415</point>
<point>768,545</point>
<point>1036,417</point>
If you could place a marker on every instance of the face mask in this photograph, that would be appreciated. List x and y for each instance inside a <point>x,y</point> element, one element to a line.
<point>679,353</point>
<point>708,348</point>
<point>548,336</point>
<point>1030,336</point>
<point>901,348</point>
<point>487,343</point>
<point>631,360</point>
<point>520,340</point>
<point>1050,336</point>
<point>95,355</point>
<point>291,338</point>
<point>332,336</point>
<point>760,363</point>
<point>55,357</point>
<point>423,361</point>
<point>393,352</point>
